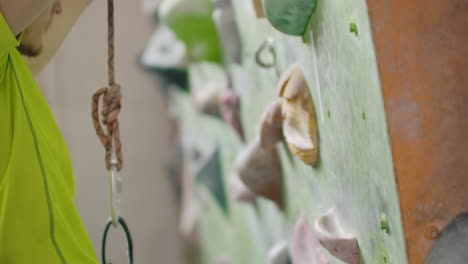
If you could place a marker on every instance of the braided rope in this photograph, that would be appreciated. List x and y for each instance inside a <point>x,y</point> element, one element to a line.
<point>111,98</point>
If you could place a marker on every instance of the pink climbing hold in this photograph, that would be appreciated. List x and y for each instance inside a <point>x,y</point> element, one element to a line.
<point>305,248</point>
<point>331,235</point>
<point>230,110</point>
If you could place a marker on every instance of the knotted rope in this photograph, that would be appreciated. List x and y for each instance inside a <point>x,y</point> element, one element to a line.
<point>111,104</point>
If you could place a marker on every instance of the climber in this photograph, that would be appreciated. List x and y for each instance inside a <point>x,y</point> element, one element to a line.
<point>39,222</point>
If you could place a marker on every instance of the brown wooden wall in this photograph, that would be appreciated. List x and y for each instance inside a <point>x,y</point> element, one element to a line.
<point>422,53</point>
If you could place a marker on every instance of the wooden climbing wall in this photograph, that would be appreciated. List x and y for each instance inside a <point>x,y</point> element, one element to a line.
<point>355,170</point>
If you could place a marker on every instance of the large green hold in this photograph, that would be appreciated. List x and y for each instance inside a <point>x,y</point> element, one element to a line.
<point>290,16</point>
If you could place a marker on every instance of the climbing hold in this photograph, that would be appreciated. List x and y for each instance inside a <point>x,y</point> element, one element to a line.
<point>305,248</point>
<point>222,260</point>
<point>299,124</point>
<point>192,23</point>
<point>384,225</point>
<point>331,235</point>
<point>190,208</point>
<point>258,7</point>
<point>230,109</point>
<point>353,28</point>
<point>207,100</point>
<point>239,192</point>
<point>271,129</point>
<point>291,17</point>
<point>222,103</point>
<point>260,170</point>
<point>223,15</point>
<point>164,50</point>
<point>279,254</point>
<point>210,175</point>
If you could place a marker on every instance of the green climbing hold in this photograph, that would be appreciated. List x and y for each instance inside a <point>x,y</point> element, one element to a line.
<point>353,28</point>
<point>290,16</point>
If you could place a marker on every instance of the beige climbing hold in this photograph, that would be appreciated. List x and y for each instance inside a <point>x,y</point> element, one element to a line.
<point>271,126</point>
<point>207,100</point>
<point>305,248</point>
<point>279,254</point>
<point>190,209</point>
<point>239,191</point>
<point>258,7</point>
<point>331,235</point>
<point>222,260</point>
<point>299,124</point>
<point>260,170</point>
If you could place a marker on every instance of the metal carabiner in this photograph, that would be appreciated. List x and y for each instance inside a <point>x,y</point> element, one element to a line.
<point>116,190</point>
<point>124,226</point>
<point>266,45</point>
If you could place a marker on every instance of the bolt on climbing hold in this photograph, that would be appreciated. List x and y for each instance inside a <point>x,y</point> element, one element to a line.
<point>384,225</point>
<point>331,235</point>
<point>259,165</point>
<point>305,247</point>
<point>299,124</point>
<point>353,28</point>
<point>260,170</point>
<point>279,254</point>
<point>290,17</point>
<point>258,7</point>
<point>220,102</point>
<point>239,191</point>
<point>271,131</point>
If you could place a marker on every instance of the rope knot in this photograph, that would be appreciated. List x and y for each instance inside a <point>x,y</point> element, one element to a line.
<point>111,98</point>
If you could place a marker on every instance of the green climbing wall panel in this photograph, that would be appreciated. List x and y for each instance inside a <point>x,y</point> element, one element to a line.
<point>355,172</point>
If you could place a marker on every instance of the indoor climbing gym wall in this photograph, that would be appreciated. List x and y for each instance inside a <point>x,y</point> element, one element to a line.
<point>317,131</point>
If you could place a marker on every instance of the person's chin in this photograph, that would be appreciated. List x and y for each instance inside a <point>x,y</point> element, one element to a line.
<point>29,50</point>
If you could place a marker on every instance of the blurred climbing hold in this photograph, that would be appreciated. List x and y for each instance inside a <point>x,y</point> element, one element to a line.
<point>291,17</point>
<point>299,125</point>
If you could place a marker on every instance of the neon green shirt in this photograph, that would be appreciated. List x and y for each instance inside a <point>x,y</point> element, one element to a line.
<point>39,222</point>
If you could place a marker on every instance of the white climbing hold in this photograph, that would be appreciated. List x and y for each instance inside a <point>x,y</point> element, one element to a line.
<point>279,253</point>
<point>260,170</point>
<point>331,235</point>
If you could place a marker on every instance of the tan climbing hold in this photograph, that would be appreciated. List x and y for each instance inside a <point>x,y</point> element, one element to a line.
<point>206,100</point>
<point>331,235</point>
<point>258,7</point>
<point>190,209</point>
<point>260,170</point>
<point>239,191</point>
<point>299,123</point>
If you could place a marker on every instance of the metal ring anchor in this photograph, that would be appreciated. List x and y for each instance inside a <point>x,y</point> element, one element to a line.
<point>266,45</point>
<point>127,235</point>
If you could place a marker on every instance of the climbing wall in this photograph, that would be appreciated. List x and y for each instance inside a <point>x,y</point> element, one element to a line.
<point>354,173</point>
<point>377,89</point>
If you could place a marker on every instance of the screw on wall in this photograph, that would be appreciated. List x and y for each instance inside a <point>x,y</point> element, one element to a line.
<point>432,232</point>
<point>384,225</point>
<point>353,28</point>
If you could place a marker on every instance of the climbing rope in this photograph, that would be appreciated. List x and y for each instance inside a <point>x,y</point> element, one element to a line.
<point>111,100</point>
<point>111,104</point>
